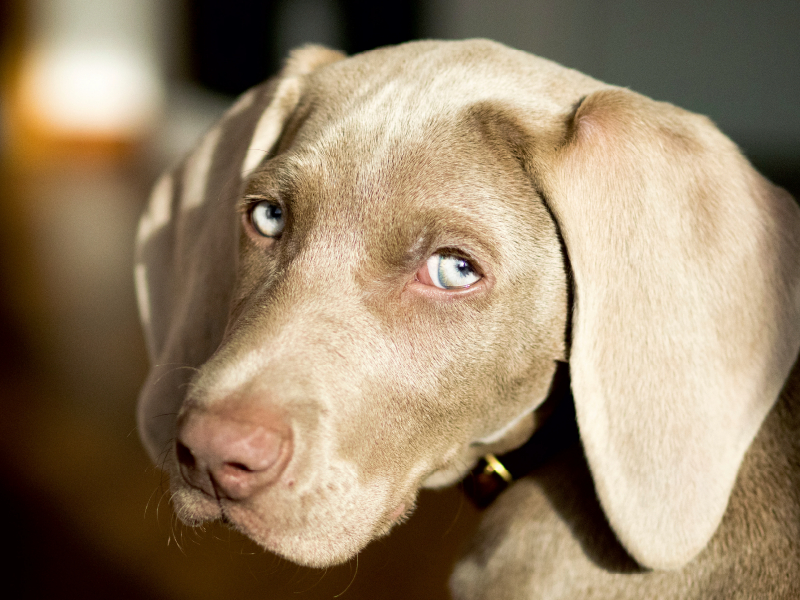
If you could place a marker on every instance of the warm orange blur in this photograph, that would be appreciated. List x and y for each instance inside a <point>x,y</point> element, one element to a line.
<point>87,515</point>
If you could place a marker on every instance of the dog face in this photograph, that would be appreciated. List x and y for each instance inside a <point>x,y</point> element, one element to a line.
<point>365,266</point>
<point>406,375</point>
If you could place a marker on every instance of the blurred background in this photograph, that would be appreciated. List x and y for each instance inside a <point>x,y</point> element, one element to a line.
<point>98,96</point>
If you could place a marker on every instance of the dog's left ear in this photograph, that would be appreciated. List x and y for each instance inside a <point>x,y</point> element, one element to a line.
<point>686,323</point>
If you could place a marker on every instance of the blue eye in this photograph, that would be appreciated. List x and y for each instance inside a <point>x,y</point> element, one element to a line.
<point>449,272</point>
<point>267,219</point>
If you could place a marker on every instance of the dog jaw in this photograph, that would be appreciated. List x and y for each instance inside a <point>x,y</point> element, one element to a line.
<point>339,516</point>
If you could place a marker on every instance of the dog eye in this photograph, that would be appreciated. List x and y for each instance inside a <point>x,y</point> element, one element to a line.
<point>448,272</point>
<point>267,219</point>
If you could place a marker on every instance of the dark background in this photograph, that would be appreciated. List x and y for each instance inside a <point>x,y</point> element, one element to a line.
<point>86,515</point>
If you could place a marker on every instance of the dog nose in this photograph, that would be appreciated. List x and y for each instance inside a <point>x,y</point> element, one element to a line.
<point>232,454</point>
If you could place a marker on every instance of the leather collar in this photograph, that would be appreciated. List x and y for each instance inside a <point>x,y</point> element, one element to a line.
<point>493,474</point>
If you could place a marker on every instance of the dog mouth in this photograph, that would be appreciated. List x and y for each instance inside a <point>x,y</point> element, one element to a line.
<point>320,525</point>
<point>194,508</point>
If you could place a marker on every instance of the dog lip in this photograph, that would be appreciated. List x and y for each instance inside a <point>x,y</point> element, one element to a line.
<point>194,507</point>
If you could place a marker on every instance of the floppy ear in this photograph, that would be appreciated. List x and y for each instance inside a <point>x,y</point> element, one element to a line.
<point>187,240</point>
<point>687,312</point>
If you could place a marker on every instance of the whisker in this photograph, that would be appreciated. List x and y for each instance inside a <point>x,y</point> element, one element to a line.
<point>176,367</point>
<point>175,537</point>
<point>457,515</point>
<point>166,414</point>
<point>351,581</point>
<point>149,500</point>
<point>315,584</point>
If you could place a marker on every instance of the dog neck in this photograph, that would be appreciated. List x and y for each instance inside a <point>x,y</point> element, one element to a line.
<point>493,474</point>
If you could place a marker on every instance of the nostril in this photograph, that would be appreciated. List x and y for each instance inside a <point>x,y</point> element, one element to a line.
<point>193,472</point>
<point>185,456</point>
<point>238,466</point>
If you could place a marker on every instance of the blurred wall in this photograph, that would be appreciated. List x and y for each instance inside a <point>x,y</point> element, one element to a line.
<point>737,61</point>
<point>229,53</point>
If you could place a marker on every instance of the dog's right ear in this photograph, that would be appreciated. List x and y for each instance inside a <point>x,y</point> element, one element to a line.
<point>686,323</point>
<point>187,239</point>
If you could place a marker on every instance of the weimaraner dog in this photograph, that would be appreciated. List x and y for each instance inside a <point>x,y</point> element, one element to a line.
<point>373,268</point>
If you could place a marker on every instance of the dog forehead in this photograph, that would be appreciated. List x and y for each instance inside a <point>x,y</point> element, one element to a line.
<point>411,121</point>
<point>423,78</point>
<point>395,185</point>
<point>399,141</point>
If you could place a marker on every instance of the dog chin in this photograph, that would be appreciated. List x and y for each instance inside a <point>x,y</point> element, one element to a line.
<point>315,545</point>
<point>327,534</point>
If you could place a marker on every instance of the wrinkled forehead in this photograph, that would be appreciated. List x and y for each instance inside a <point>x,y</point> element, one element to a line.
<point>418,141</point>
<point>383,166</point>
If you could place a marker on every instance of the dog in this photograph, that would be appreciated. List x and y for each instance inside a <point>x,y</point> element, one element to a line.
<point>364,280</point>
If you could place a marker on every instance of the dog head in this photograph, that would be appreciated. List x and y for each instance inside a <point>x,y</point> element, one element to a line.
<point>360,282</point>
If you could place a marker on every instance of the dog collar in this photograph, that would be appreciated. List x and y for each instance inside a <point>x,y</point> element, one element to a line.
<point>493,474</point>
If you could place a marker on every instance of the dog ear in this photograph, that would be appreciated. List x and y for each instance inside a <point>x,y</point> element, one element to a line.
<point>686,319</point>
<point>187,240</point>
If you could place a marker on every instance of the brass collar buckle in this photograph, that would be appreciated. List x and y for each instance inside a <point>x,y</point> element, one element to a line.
<point>487,480</point>
<point>494,474</point>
